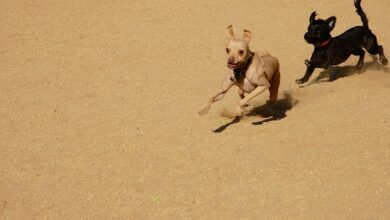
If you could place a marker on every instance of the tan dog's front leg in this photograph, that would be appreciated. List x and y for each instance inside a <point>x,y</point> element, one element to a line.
<point>226,85</point>
<point>243,104</point>
<point>216,98</point>
<point>241,93</point>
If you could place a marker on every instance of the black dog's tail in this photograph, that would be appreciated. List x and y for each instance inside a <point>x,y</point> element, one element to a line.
<point>361,13</point>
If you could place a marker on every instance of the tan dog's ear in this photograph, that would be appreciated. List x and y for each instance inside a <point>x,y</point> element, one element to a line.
<point>229,32</point>
<point>247,36</point>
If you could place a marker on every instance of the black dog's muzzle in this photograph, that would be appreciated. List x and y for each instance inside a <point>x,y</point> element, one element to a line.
<point>308,38</point>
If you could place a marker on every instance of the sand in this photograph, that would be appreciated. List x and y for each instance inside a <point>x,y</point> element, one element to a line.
<point>99,102</point>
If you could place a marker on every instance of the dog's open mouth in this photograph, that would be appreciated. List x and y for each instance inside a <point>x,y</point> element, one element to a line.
<point>232,65</point>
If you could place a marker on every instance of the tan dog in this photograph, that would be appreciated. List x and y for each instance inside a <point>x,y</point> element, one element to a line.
<point>253,73</point>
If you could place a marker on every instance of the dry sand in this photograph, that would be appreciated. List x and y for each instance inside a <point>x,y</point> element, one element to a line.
<point>99,120</point>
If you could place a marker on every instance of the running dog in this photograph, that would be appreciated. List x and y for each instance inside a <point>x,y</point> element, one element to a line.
<point>253,73</point>
<point>330,51</point>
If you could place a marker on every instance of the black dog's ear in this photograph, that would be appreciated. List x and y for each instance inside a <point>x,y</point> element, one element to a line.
<point>312,16</point>
<point>331,22</point>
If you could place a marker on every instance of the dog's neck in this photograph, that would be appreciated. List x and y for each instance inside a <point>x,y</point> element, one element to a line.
<point>239,72</point>
<point>324,43</point>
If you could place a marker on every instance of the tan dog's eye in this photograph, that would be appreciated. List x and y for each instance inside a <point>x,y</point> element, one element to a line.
<point>227,50</point>
<point>241,52</point>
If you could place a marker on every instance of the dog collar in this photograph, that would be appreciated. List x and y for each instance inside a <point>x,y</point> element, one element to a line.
<point>323,44</point>
<point>239,72</point>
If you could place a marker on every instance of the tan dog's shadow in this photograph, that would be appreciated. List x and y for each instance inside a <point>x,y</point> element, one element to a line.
<point>275,112</point>
<point>338,72</point>
<point>223,127</point>
<point>270,113</point>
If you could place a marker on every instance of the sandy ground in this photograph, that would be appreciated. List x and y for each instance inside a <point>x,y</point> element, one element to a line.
<point>99,101</point>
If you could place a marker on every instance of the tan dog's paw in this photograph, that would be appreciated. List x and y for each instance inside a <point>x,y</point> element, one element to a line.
<point>239,111</point>
<point>248,108</point>
<point>204,110</point>
<point>244,106</point>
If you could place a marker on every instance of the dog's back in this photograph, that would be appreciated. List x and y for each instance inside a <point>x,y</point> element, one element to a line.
<point>262,53</point>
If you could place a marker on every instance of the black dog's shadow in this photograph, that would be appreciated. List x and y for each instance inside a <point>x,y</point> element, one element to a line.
<point>270,112</point>
<point>337,72</point>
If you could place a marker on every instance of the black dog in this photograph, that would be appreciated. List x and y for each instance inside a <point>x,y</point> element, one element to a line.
<point>330,51</point>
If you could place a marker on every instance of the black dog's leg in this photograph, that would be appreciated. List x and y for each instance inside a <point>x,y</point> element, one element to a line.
<point>372,46</point>
<point>332,74</point>
<point>310,69</point>
<point>360,53</point>
<point>382,57</point>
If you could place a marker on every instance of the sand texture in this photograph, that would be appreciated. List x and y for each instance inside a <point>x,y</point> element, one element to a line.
<point>99,115</point>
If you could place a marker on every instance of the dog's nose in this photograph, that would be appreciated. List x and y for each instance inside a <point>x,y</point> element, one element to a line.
<point>231,59</point>
<point>308,38</point>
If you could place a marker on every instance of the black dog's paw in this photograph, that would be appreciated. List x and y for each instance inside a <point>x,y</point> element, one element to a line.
<point>301,80</point>
<point>332,77</point>
<point>383,60</point>
<point>359,67</point>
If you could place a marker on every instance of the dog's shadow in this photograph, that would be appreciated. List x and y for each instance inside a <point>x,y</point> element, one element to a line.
<point>223,127</point>
<point>267,111</point>
<point>337,72</point>
<point>275,111</point>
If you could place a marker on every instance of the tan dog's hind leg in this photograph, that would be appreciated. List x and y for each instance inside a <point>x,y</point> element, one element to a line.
<point>274,87</point>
